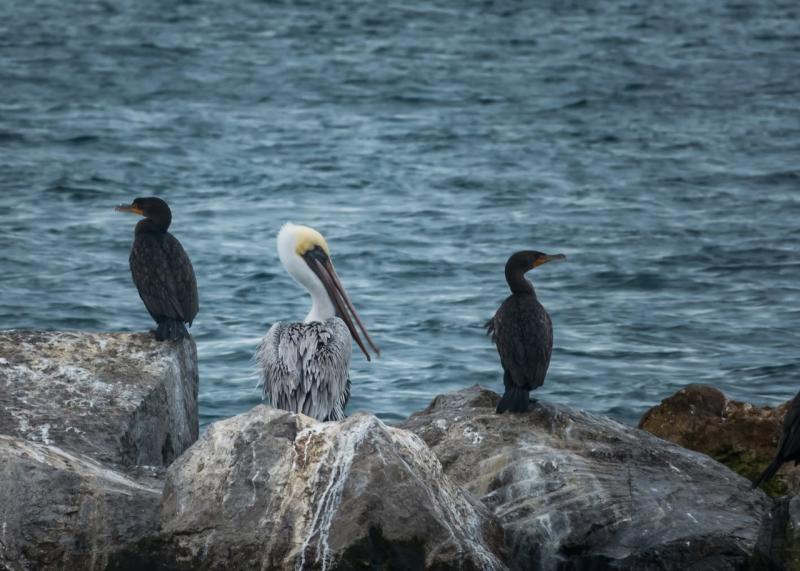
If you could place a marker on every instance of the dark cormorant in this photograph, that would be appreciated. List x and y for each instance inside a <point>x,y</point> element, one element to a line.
<point>523,333</point>
<point>161,270</point>
<point>789,444</point>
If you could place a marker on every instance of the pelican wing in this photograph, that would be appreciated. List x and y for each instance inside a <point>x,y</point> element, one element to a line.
<point>304,367</point>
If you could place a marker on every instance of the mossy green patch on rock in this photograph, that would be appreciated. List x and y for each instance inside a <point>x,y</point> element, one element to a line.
<point>792,552</point>
<point>750,466</point>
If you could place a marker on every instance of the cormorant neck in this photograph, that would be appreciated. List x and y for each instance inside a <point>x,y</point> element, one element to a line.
<point>154,225</point>
<point>517,282</point>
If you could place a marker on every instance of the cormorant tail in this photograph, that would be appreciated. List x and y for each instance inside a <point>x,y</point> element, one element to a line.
<point>171,330</point>
<point>768,473</point>
<point>514,399</point>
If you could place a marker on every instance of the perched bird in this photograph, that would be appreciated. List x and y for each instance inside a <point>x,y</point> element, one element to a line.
<point>523,333</point>
<point>304,366</point>
<point>161,269</point>
<point>789,444</point>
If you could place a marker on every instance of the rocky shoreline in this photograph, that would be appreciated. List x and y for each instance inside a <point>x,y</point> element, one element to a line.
<point>101,468</point>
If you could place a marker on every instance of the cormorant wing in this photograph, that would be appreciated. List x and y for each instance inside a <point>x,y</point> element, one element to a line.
<point>154,276</point>
<point>789,446</point>
<point>183,275</point>
<point>523,333</point>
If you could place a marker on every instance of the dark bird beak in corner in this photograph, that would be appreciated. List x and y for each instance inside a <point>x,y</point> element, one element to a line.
<point>321,264</point>
<point>129,208</point>
<point>545,259</point>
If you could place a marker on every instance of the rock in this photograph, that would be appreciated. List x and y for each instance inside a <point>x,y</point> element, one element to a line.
<point>778,546</point>
<point>741,436</point>
<point>77,409</point>
<point>580,491</point>
<point>61,511</point>
<point>119,398</point>
<point>273,490</point>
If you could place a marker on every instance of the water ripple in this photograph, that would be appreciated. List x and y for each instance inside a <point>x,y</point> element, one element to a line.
<point>656,145</point>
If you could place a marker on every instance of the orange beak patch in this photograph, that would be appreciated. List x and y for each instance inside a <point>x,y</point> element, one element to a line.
<point>133,209</point>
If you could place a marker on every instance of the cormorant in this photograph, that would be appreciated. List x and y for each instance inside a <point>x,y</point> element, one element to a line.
<point>161,270</point>
<point>304,366</point>
<point>523,333</point>
<point>789,444</point>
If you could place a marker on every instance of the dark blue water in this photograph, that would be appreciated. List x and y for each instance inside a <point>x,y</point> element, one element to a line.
<point>656,145</point>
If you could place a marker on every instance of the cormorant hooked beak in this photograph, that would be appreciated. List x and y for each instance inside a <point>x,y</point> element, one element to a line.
<point>544,259</point>
<point>321,264</point>
<point>132,208</point>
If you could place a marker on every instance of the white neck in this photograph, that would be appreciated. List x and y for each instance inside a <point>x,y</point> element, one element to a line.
<point>322,307</point>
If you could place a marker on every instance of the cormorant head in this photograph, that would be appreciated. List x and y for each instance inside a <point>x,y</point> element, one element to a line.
<point>521,262</point>
<point>155,210</point>
<point>526,260</point>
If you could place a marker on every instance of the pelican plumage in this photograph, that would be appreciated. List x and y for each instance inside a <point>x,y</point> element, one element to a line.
<point>304,366</point>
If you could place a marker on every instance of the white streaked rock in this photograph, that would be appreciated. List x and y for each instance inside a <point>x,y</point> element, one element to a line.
<point>120,398</point>
<point>270,489</point>
<point>575,490</point>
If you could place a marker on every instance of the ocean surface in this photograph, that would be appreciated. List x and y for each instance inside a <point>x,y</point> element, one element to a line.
<point>657,145</point>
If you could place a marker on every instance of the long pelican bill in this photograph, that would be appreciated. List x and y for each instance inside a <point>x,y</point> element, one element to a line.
<point>132,208</point>
<point>322,266</point>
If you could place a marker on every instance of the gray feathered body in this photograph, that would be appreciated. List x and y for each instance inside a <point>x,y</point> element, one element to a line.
<point>304,367</point>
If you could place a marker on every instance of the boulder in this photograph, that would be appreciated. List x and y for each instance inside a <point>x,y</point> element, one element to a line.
<point>741,436</point>
<point>580,491</point>
<point>270,489</point>
<point>60,511</point>
<point>778,545</point>
<point>120,398</point>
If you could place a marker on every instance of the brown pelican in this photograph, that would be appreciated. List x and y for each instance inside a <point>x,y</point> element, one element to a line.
<point>304,366</point>
<point>523,333</point>
<point>789,444</point>
<point>161,270</point>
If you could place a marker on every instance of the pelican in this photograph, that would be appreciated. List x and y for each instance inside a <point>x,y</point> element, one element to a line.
<point>304,366</point>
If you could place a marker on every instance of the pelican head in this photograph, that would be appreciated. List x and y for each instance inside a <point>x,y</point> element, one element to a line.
<point>305,255</point>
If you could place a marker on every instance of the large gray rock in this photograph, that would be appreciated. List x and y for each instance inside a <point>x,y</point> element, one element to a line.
<point>119,398</point>
<point>273,490</point>
<point>778,545</point>
<point>61,511</point>
<point>579,491</point>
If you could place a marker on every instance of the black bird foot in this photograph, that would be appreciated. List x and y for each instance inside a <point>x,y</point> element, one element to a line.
<point>514,399</point>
